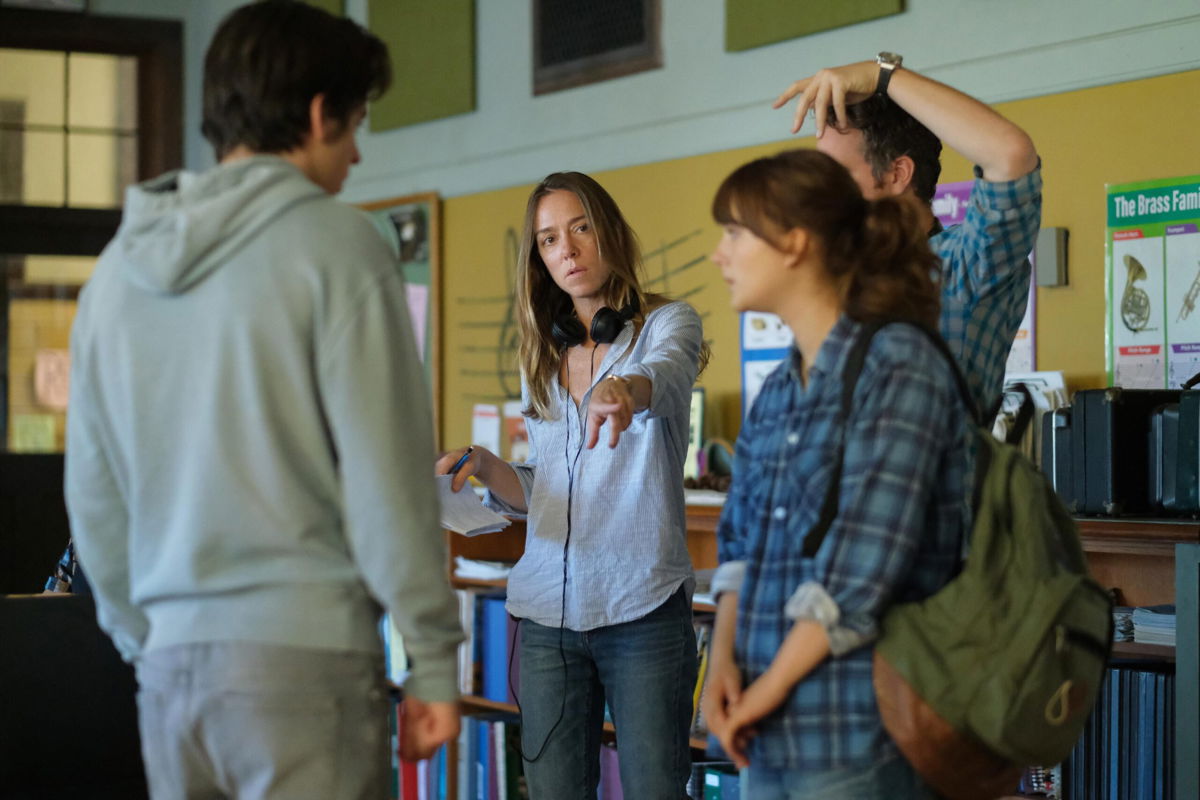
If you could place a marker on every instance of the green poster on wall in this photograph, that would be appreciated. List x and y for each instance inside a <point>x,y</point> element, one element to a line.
<point>1152,272</point>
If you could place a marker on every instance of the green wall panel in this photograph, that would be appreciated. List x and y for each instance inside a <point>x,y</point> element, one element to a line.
<point>432,47</point>
<point>753,23</point>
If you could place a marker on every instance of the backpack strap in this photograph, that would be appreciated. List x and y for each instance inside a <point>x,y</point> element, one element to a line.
<point>1024,415</point>
<point>850,372</point>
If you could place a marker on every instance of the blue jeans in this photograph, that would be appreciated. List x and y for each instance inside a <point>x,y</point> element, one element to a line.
<point>645,669</point>
<point>892,779</point>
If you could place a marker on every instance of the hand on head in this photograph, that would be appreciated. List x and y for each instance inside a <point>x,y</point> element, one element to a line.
<point>835,88</point>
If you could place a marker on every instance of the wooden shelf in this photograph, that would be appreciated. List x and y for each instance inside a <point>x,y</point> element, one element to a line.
<point>1140,650</point>
<point>477,583</point>
<point>1135,556</point>
<point>473,704</point>
<point>1148,537</point>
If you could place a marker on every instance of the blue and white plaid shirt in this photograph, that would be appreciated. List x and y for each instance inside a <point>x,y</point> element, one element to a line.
<point>985,278</point>
<point>897,537</point>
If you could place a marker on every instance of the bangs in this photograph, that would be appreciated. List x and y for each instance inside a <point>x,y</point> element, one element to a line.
<point>743,199</point>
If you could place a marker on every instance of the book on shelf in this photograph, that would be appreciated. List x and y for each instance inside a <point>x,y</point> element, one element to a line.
<point>610,774</point>
<point>496,632</point>
<point>714,780</point>
<point>490,765</point>
<point>1154,625</point>
<point>703,645</point>
<point>1126,750</point>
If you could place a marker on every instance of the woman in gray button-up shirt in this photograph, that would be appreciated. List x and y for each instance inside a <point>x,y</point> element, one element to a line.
<point>603,590</point>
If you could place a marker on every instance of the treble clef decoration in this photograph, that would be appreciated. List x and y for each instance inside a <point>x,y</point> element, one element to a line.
<point>1135,303</point>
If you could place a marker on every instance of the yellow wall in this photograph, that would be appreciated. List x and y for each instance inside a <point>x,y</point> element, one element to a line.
<point>1139,130</point>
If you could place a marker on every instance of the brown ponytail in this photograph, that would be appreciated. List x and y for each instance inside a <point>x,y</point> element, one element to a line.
<point>892,274</point>
<point>875,251</point>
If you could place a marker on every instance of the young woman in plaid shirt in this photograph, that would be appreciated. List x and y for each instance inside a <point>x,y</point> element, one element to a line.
<point>789,691</point>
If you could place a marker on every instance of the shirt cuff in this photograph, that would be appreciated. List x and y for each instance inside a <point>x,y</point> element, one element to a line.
<point>728,577</point>
<point>811,602</point>
<point>525,474</point>
<point>495,503</point>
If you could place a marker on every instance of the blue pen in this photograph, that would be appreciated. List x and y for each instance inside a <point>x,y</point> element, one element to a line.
<point>458,464</point>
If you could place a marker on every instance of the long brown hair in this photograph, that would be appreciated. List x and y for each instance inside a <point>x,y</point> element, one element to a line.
<point>874,250</point>
<point>539,300</point>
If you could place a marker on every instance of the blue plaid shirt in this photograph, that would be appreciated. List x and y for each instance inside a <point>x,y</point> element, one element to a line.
<point>985,277</point>
<point>897,537</point>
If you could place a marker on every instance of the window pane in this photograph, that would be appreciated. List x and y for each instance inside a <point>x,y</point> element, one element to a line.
<point>36,79</point>
<point>102,91</point>
<point>65,270</point>
<point>38,180</point>
<point>38,332</point>
<point>99,167</point>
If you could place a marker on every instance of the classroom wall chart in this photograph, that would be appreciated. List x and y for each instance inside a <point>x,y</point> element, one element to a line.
<point>1152,273</point>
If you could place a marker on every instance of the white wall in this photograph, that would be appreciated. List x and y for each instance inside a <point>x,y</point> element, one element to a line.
<point>200,19</point>
<point>705,99</point>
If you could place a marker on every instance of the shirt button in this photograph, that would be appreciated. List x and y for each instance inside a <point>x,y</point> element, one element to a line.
<point>780,512</point>
<point>793,437</point>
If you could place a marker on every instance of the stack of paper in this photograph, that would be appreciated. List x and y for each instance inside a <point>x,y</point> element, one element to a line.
<point>1122,624</point>
<point>481,570</point>
<point>1154,625</point>
<point>703,592</point>
<point>462,512</point>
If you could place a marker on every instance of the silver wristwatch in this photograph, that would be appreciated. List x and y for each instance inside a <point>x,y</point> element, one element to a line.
<point>888,63</point>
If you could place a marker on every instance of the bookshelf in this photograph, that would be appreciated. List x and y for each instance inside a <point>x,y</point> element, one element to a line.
<point>1155,561</point>
<point>1151,562</point>
<point>508,545</point>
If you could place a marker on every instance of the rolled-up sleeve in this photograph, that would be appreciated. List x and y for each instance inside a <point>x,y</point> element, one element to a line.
<point>894,442</point>
<point>998,232</point>
<point>728,577</point>
<point>526,474</point>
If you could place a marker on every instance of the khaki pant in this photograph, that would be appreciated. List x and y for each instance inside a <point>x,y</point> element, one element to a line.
<point>257,722</point>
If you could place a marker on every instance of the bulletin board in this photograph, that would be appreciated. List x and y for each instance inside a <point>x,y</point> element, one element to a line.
<point>412,226</point>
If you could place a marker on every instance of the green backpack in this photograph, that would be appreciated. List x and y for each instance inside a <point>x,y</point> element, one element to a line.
<point>998,669</point>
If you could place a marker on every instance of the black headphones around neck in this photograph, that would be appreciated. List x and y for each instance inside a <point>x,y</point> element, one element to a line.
<point>607,324</point>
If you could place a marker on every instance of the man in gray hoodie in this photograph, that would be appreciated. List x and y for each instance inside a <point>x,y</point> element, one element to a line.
<point>249,442</point>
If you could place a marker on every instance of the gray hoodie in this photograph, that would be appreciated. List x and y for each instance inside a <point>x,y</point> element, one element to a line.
<point>249,449</point>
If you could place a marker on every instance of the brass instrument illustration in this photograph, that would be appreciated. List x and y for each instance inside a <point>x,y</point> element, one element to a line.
<point>1135,303</point>
<point>1189,302</point>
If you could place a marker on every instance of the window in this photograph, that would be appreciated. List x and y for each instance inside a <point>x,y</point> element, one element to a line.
<point>584,41</point>
<point>88,105</point>
<point>68,127</point>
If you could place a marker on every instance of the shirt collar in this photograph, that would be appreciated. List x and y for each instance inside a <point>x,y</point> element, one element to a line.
<point>832,351</point>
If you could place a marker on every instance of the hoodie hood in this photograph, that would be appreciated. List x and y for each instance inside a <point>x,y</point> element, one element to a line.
<point>179,228</point>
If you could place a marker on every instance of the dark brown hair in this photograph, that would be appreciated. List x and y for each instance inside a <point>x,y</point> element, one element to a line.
<point>266,63</point>
<point>874,251</point>
<point>890,132</point>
